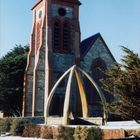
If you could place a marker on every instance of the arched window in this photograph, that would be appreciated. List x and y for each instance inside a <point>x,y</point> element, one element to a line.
<point>98,67</point>
<point>57,35</point>
<point>66,36</point>
<point>61,36</point>
<point>98,73</point>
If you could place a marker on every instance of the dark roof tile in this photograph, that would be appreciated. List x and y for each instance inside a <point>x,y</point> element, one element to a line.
<point>87,43</point>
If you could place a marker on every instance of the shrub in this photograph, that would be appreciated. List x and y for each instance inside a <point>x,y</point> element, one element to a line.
<point>69,133</point>
<point>84,133</point>
<point>31,130</point>
<point>17,127</point>
<point>46,132</point>
<point>64,133</point>
<point>134,132</point>
<point>95,133</point>
<point>77,132</point>
<point>60,133</point>
<point>28,131</point>
<point>5,124</point>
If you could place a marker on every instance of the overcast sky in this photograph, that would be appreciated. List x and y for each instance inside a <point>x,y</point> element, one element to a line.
<point>118,21</point>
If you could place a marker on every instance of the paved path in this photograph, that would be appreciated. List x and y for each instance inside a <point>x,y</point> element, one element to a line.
<point>122,125</point>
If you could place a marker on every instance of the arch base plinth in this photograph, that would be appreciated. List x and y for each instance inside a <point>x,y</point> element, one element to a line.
<point>52,120</point>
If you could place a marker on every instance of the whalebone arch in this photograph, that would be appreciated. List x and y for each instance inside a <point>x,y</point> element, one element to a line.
<point>66,109</point>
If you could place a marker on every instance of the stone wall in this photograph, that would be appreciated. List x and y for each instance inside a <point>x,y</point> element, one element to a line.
<point>28,85</point>
<point>97,50</point>
<point>40,84</point>
<point>61,63</point>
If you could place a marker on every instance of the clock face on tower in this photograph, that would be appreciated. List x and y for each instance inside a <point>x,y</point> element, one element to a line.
<point>62,11</point>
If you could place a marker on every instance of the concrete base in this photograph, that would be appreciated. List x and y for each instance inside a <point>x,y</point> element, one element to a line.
<point>54,120</point>
<point>91,120</point>
<point>95,120</point>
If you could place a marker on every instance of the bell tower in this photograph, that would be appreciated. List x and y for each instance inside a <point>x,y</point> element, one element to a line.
<point>54,48</point>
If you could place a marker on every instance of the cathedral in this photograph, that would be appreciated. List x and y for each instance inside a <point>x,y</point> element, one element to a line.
<point>55,46</point>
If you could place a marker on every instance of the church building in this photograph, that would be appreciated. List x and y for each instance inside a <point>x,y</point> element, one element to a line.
<point>55,46</point>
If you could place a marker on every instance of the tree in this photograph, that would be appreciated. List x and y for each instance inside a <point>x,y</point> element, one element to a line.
<point>12,67</point>
<point>123,81</point>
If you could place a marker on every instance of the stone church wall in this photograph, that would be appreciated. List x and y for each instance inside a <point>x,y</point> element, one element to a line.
<point>29,84</point>
<point>97,50</point>
<point>61,63</point>
<point>40,83</point>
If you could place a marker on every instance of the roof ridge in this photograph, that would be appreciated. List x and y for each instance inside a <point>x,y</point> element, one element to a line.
<point>87,43</point>
<point>97,34</point>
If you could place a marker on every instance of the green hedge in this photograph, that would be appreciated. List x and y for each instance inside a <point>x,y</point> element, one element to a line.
<point>64,133</point>
<point>14,126</point>
<point>17,126</point>
<point>84,133</point>
<point>46,132</point>
<point>134,132</point>
<point>5,124</point>
<point>32,130</point>
<point>21,127</point>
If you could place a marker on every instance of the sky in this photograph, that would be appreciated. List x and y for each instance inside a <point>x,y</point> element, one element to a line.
<point>118,21</point>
